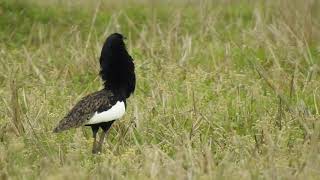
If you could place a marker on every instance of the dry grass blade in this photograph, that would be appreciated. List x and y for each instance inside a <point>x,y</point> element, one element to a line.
<point>92,24</point>
<point>15,107</point>
<point>34,67</point>
<point>264,76</point>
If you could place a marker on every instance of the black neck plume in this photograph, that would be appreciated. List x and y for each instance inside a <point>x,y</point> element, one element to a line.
<point>117,69</point>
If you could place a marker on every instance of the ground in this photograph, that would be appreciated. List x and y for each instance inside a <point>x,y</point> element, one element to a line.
<point>225,89</point>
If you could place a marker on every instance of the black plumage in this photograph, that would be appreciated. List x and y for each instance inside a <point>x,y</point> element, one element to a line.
<point>117,72</point>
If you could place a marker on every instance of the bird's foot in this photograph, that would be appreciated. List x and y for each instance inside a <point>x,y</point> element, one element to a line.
<point>96,151</point>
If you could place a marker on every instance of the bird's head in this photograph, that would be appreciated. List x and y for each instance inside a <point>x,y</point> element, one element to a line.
<point>113,50</point>
<point>115,41</point>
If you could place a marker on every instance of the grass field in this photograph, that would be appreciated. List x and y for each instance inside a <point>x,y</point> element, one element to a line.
<point>226,89</point>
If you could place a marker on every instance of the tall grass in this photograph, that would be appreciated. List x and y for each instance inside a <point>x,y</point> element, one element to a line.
<point>225,89</point>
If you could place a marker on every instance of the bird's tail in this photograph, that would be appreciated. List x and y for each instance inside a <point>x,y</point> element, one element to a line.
<point>58,129</point>
<point>61,126</point>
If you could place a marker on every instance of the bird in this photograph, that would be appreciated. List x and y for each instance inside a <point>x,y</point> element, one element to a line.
<point>102,108</point>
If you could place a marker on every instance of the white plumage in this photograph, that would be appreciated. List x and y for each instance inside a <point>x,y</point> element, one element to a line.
<point>115,112</point>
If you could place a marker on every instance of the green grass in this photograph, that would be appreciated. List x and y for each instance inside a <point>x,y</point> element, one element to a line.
<point>225,89</point>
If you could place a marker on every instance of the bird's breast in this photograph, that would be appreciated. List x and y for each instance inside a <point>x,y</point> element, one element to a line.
<point>115,112</point>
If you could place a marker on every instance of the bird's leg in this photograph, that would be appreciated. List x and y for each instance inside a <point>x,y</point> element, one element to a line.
<point>94,131</point>
<point>101,140</point>
<point>105,127</point>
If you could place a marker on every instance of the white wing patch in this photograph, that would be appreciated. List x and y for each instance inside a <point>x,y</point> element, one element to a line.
<point>115,112</point>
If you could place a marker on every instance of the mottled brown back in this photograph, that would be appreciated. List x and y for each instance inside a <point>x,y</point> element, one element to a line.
<point>96,102</point>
